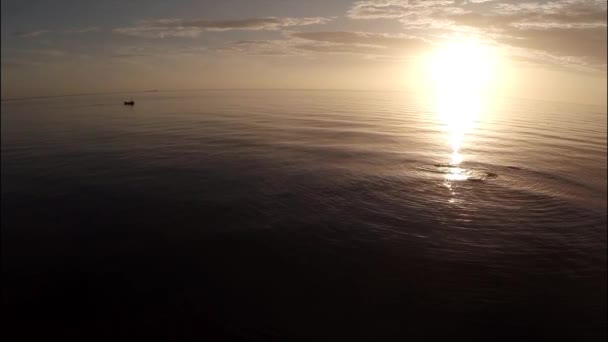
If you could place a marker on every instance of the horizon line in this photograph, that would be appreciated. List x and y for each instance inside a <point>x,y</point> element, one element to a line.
<point>264,89</point>
<point>189,89</point>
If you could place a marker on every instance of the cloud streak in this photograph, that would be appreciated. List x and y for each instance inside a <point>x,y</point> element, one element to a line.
<point>36,33</point>
<point>30,34</point>
<point>83,30</point>
<point>162,28</point>
<point>330,42</point>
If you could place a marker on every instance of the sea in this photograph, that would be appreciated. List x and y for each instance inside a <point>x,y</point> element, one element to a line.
<point>303,215</point>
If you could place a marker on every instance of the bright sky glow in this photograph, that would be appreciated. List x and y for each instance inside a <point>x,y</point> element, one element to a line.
<point>556,49</point>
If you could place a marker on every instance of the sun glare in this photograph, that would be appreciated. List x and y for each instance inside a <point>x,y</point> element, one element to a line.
<point>462,74</point>
<point>462,67</point>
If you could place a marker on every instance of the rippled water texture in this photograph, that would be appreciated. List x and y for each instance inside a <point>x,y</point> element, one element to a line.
<point>301,215</point>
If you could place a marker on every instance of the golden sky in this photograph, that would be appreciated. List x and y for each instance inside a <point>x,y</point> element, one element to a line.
<point>554,50</point>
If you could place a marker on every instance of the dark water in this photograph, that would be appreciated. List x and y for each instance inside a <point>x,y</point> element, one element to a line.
<point>301,215</point>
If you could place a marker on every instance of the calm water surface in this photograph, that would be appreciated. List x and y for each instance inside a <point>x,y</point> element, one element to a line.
<point>303,215</point>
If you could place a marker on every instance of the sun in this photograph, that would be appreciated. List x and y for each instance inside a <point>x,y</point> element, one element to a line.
<point>465,66</point>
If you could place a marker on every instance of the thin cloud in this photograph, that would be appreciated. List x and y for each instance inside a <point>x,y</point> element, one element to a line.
<point>330,42</point>
<point>342,49</point>
<point>30,34</point>
<point>83,30</point>
<point>37,52</point>
<point>134,52</point>
<point>162,28</point>
<point>11,64</point>
<point>364,38</point>
<point>276,47</point>
<point>36,33</point>
<point>383,9</point>
<point>587,44</point>
<point>126,55</point>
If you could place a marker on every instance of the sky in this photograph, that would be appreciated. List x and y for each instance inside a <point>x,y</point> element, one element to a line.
<point>553,50</point>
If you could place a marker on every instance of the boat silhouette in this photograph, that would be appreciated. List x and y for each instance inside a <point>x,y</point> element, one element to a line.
<point>129,103</point>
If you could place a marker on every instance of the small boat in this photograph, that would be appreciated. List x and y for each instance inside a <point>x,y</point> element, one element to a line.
<point>129,103</point>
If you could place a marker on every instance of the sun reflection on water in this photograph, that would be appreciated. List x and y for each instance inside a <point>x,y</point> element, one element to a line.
<point>461,73</point>
<point>458,112</point>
